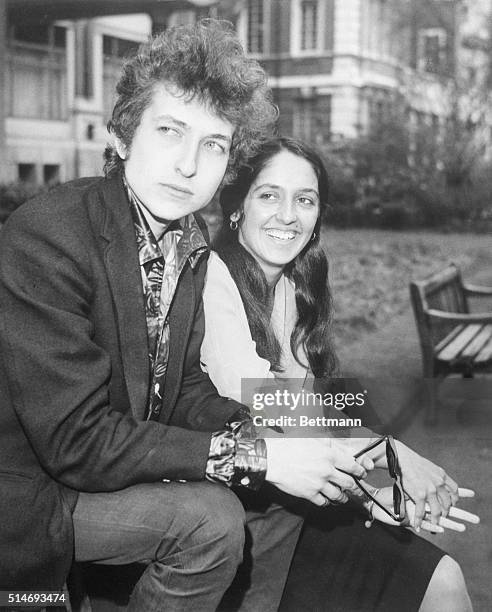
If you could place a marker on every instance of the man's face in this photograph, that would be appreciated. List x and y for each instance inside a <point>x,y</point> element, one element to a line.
<point>178,156</point>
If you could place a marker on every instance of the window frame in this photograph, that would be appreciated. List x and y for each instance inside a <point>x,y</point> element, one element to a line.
<point>48,59</point>
<point>243,26</point>
<point>442,35</point>
<point>296,26</point>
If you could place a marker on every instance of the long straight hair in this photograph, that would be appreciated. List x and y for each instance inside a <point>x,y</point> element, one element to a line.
<point>308,271</point>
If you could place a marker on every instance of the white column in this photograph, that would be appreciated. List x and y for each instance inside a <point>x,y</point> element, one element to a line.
<point>347,26</point>
<point>347,41</point>
<point>346,68</point>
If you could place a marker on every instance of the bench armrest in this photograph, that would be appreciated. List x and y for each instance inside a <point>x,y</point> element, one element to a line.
<point>457,317</point>
<point>477,290</point>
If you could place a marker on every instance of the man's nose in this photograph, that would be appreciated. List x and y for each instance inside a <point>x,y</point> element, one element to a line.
<point>186,163</point>
<point>287,212</point>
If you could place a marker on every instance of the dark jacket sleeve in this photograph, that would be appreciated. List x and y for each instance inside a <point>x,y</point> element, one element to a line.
<point>199,403</point>
<point>59,377</point>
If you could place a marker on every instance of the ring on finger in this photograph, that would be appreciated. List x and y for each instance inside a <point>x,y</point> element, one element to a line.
<point>338,502</point>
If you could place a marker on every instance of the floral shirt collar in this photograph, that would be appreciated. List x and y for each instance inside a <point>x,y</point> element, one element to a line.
<point>161,264</point>
<point>191,243</point>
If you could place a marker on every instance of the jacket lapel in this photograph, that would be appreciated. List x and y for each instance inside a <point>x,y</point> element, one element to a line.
<point>123,269</point>
<point>181,318</point>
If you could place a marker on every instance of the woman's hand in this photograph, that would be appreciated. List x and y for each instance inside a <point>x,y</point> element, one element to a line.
<point>428,486</point>
<point>432,490</point>
<point>385,497</point>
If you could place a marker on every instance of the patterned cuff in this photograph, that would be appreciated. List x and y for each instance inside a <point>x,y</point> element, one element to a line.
<point>236,457</point>
<point>250,463</point>
<point>220,464</point>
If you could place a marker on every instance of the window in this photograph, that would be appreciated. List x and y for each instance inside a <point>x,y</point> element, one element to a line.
<point>182,17</point>
<point>380,109</point>
<point>378,26</point>
<point>40,35</point>
<point>189,17</point>
<point>37,72</point>
<point>256,26</point>
<point>32,33</point>
<point>59,37</point>
<point>432,50</point>
<point>51,174</point>
<point>118,47</point>
<point>114,52</point>
<point>303,120</point>
<point>309,25</point>
<point>26,173</point>
<point>312,118</point>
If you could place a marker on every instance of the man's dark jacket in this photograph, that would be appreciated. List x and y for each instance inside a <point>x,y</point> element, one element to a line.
<point>74,374</point>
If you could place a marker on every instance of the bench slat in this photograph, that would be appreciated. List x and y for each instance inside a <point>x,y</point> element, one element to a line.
<point>447,339</point>
<point>479,342</point>
<point>486,353</point>
<point>459,342</point>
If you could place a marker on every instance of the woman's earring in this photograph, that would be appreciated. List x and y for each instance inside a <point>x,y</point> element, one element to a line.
<point>121,150</point>
<point>313,237</point>
<point>233,225</point>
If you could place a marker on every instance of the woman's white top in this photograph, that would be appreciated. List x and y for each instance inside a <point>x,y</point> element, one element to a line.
<point>228,351</point>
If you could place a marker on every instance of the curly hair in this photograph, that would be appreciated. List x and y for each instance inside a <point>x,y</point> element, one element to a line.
<point>204,61</point>
<point>308,271</point>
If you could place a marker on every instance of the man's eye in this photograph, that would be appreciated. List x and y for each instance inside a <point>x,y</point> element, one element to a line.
<point>166,130</point>
<point>213,145</point>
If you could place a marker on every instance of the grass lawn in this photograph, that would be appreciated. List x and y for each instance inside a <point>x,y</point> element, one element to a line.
<point>370,271</point>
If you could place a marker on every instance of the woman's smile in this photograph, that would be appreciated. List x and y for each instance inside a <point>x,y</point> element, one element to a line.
<point>281,235</point>
<point>280,212</point>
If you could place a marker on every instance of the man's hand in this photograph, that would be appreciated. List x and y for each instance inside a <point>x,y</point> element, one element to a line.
<point>311,468</point>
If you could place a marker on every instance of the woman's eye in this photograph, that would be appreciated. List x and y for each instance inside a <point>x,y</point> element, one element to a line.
<point>269,196</point>
<point>305,201</point>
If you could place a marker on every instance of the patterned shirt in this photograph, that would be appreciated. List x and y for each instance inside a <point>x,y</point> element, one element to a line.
<point>161,267</point>
<point>236,456</point>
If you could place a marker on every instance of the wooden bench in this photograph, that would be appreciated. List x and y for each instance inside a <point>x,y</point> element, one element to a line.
<point>453,340</point>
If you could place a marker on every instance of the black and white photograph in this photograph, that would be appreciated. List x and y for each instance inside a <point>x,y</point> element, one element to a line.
<point>245,305</point>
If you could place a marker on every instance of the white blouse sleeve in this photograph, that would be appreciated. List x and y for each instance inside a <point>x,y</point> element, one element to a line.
<point>228,351</point>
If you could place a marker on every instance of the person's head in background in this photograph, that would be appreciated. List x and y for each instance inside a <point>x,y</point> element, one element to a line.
<point>191,108</point>
<point>272,215</point>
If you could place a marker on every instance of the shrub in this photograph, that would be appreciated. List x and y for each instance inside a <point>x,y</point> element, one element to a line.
<point>388,180</point>
<point>12,195</point>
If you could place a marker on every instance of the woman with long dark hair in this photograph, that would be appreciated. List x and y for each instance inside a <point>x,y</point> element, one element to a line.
<point>268,310</point>
<point>307,272</point>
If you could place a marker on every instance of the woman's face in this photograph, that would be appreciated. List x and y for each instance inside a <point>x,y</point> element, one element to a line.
<point>279,212</point>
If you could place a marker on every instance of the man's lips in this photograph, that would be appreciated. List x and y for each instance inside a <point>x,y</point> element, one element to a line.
<point>178,189</point>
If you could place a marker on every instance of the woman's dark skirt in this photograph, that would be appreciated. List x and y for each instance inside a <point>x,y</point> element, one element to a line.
<point>341,566</point>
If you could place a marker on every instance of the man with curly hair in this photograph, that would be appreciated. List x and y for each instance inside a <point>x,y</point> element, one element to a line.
<point>114,445</point>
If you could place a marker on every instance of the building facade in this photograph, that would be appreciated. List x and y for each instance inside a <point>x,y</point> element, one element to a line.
<point>336,68</point>
<point>60,81</point>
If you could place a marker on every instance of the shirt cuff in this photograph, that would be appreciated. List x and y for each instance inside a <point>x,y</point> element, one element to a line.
<point>237,456</point>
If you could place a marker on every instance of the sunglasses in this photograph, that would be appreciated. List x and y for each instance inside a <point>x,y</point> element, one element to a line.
<point>398,514</point>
